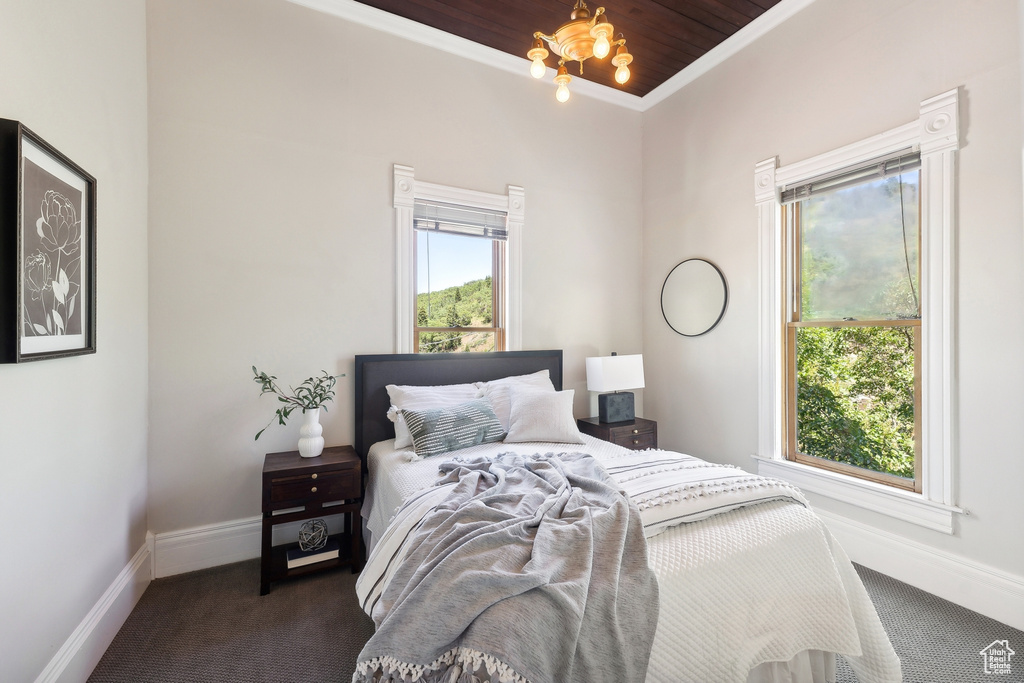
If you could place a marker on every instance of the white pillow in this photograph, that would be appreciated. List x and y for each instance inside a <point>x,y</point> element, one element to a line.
<point>540,379</point>
<point>408,397</point>
<point>499,392</point>
<point>539,415</point>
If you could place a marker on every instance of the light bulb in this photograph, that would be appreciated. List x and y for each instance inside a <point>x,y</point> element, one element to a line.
<point>602,46</point>
<point>562,78</point>
<point>622,59</point>
<point>537,69</point>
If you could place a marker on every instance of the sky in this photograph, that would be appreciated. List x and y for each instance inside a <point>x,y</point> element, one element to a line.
<point>454,260</point>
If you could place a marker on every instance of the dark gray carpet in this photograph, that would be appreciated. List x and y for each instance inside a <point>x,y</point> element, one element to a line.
<point>936,640</point>
<point>212,625</point>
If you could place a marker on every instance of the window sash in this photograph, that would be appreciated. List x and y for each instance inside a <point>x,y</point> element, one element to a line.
<point>498,326</point>
<point>791,293</point>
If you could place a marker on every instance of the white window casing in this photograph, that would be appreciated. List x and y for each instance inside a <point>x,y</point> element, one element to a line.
<point>406,191</point>
<point>936,134</point>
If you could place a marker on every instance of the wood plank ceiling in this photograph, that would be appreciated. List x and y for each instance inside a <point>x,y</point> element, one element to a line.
<point>664,36</point>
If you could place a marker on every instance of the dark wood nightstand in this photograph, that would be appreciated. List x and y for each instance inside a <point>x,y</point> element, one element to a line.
<point>329,484</point>
<point>637,434</point>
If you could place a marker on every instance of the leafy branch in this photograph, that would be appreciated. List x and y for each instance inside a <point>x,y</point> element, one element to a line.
<point>313,393</point>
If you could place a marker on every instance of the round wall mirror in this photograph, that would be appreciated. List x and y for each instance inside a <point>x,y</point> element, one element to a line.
<point>694,297</point>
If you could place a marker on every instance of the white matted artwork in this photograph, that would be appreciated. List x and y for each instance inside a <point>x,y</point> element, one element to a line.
<point>47,206</point>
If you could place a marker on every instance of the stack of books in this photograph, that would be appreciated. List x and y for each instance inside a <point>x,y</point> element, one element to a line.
<point>300,558</point>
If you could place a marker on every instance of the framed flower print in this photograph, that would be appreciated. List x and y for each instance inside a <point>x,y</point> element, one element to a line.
<point>47,250</point>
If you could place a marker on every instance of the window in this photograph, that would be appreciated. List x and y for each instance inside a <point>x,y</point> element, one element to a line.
<point>457,267</point>
<point>460,257</point>
<point>852,341</point>
<point>843,292</point>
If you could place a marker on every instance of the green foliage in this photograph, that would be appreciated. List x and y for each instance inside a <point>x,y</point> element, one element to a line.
<point>467,305</point>
<point>855,396</point>
<point>312,393</point>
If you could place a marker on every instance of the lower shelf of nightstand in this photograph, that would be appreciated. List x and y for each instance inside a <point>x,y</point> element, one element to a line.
<point>279,561</point>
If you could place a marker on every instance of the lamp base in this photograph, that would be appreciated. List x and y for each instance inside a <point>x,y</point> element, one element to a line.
<point>617,407</point>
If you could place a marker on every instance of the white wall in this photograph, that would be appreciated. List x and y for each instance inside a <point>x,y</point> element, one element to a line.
<point>73,431</point>
<point>273,130</point>
<point>835,73</point>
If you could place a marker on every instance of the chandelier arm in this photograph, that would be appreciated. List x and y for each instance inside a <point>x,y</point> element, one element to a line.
<point>550,40</point>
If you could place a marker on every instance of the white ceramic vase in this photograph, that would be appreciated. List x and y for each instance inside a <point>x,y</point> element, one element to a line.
<point>311,444</point>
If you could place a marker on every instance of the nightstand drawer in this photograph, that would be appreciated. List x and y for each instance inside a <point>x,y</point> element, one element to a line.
<point>637,434</point>
<point>317,487</point>
<point>636,441</point>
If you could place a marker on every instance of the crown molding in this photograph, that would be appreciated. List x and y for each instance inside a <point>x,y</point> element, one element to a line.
<point>727,48</point>
<point>380,20</point>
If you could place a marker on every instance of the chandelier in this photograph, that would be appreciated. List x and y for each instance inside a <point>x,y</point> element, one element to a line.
<point>583,37</point>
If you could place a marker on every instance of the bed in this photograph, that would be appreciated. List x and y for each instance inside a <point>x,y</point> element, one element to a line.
<point>754,591</point>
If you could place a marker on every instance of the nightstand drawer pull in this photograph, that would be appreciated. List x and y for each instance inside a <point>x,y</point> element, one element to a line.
<point>313,490</point>
<point>314,476</point>
<point>636,431</point>
<point>636,441</point>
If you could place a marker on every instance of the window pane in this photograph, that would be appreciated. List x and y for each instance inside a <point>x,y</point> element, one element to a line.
<point>448,342</point>
<point>454,279</point>
<point>859,252</point>
<point>855,396</point>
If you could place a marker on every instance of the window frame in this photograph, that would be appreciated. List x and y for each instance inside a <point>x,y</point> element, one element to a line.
<point>406,191</point>
<point>936,134</point>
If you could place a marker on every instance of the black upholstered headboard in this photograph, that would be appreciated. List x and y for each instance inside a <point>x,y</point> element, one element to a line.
<point>374,373</point>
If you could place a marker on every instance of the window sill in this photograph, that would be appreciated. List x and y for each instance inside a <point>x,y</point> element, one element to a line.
<point>904,505</point>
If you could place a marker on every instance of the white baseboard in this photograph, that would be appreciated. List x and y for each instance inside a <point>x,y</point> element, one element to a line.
<point>993,592</point>
<point>80,653</point>
<point>212,545</point>
<point>207,546</point>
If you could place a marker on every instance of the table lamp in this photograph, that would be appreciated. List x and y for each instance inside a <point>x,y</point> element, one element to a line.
<point>615,373</point>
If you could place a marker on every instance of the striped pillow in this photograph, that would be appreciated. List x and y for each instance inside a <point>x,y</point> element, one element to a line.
<point>439,430</point>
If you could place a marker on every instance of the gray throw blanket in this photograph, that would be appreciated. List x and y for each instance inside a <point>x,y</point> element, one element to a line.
<point>532,569</point>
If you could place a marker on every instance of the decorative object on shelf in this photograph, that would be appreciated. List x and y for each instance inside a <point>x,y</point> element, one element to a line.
<point>615,373</point>
<point>694,297</point>
<point>311,440</point>
<point>309,397</point>
<point>47,250</point>
<point>313,535</point>
<point>582,37</point>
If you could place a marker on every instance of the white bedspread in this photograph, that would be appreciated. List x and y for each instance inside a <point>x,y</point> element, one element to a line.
<point>761,583</point>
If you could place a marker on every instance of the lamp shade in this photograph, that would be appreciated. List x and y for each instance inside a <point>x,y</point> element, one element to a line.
<point>615,373</point>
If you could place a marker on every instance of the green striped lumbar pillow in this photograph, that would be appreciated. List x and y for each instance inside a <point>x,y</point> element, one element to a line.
<point>439,430</point>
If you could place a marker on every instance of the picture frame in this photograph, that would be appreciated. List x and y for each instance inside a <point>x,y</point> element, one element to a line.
<point>47,250</point>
